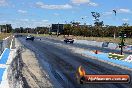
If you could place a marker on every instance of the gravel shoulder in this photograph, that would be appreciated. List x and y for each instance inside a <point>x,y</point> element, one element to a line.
<point>34,75</point>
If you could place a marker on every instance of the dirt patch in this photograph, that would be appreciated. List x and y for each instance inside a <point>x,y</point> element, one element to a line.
<point>25,71</point>
<point>35,76</point>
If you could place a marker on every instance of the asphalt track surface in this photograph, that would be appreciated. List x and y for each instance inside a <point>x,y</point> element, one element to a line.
<point>62,63</point>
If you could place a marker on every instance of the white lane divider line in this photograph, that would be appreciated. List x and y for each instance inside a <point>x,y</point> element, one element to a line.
<point>11,44</point>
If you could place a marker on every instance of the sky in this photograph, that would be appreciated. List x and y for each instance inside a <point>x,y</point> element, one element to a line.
<point>33,13</point>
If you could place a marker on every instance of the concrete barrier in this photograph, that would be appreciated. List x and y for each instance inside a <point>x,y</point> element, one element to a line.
<point>104,45</point>
<point>86,42</point>
<point>129,58</point>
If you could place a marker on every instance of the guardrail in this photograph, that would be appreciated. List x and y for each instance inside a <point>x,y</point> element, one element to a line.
<point>5,43</point>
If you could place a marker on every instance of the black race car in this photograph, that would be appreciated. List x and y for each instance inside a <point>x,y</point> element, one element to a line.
<point>30,37</point>
<point>66,40</point>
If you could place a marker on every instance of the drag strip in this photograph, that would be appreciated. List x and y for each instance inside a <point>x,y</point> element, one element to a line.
<point>64,64</point>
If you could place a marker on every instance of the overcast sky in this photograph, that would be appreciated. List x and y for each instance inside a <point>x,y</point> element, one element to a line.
<point>32,13</point>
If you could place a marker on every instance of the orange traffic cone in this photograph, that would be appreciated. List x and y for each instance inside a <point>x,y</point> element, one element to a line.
<point>96,51</point>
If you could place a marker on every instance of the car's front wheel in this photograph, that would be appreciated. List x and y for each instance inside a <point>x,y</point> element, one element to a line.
<point>72,42</point>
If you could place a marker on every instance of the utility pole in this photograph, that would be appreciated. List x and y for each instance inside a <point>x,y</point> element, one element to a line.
<point>58,30</point>
<point>27,32</point>
<point>114,19</point>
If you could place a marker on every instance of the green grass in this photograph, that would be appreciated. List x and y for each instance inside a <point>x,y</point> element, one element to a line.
<point>102,39</point>
<point>41,35</point>
<point>105,39</point>
<point>4,35</point>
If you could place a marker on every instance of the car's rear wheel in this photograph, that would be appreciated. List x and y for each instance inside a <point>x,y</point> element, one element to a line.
<point>65,41</point>
<point>71,42</point>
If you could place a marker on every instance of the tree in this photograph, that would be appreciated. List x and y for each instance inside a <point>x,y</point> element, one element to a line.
<point>67,29</point>
<point>98,24</point>
<point>96,16</point>
<point>21,29</point>
<point>125,24</point>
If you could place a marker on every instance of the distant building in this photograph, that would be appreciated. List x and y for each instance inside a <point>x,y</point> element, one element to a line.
<point>58,28</point>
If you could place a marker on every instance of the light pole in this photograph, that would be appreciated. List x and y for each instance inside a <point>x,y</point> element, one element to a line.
<point>49,28</point>
<point>27,31</point>
<point>82,23</point>
<point>58,30</point>
<point>0,29</point>
<point>115,18</point>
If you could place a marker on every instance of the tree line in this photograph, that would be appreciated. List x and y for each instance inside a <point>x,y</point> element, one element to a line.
<point>37,30</point>
<point>96,31</point>
<point>81,30</point>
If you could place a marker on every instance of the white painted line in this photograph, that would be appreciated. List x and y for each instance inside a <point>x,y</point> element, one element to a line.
<point>11,44</point>
<point>11,56</point>
<point>6,37</point>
